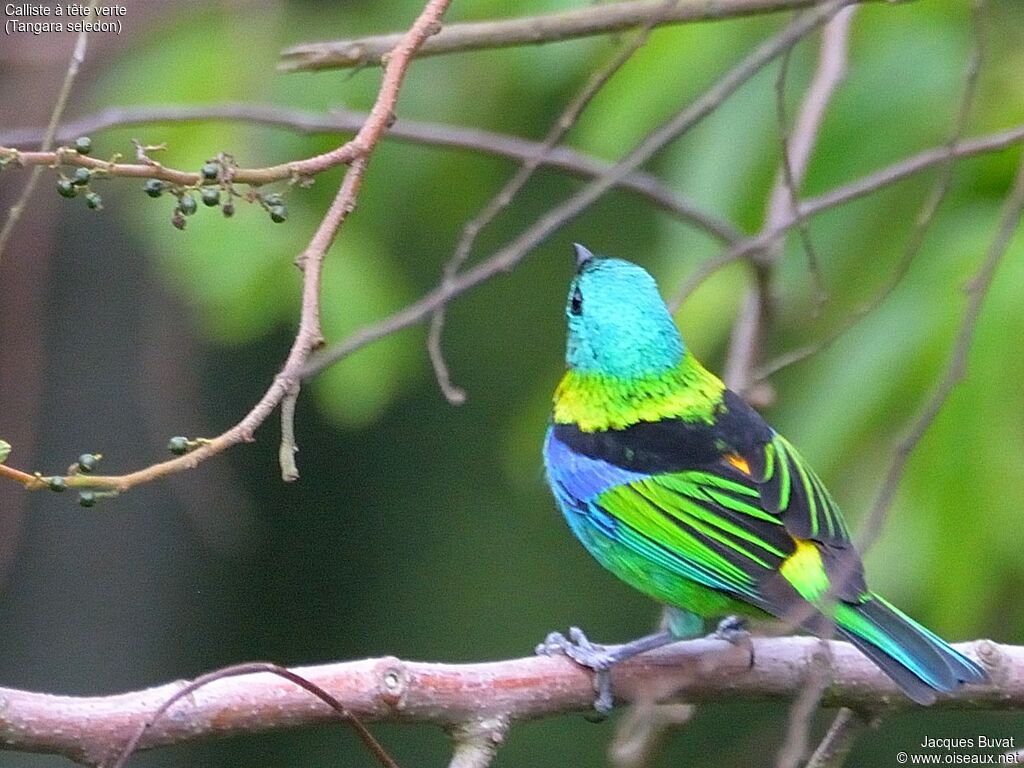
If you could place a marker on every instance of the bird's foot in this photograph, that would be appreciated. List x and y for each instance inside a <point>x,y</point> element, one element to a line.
<point>587,654</point>
<point>733,630</point>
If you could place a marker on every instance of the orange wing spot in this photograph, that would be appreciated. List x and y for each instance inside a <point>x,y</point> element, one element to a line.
<point>739,462</point>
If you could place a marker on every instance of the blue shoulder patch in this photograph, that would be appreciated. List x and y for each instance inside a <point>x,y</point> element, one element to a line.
<point>580,477</point>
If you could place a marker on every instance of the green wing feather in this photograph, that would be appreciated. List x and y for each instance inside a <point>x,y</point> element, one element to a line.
<point>734,525</point>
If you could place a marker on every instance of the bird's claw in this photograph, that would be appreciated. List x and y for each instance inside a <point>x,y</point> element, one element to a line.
<point>587,654</point>
<point>733,630</point>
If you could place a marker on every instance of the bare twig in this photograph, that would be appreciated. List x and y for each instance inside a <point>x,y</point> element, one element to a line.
<point>388,689</point>
<point>532,30</point>
<point>288,448</point>
<point>477,742</point>
<point>834,748</point>
<point>797,146</point>
<point>504,197</point>
<point>147,168</point>
<point>922,222</point>
<point>77,57</point>
<point>344,121</point>
<point>976,291</point>
<point>863,186</point>
<point>309,335</point>
<point>509,256</point>
<point>643,729</point>
<point>253,668</point>
<point>798,730</point>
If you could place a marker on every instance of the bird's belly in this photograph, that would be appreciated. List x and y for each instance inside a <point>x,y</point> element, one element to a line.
<point>647,576</point>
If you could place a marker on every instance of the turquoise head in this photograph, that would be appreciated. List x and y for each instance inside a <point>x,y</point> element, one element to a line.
<point>618,324</point>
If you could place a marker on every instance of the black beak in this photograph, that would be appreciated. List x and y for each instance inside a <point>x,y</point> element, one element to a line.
<point>583,255</point>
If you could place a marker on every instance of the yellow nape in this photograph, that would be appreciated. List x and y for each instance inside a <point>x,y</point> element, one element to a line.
<point>739,462</point>
<point>805,571</point>
<point>595,402</point>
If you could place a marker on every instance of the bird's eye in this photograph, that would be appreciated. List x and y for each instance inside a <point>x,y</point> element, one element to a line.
<point>576,306</point>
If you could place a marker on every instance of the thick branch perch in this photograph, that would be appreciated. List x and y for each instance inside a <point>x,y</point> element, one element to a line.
<point>530,30</point>
<point>91,729</point>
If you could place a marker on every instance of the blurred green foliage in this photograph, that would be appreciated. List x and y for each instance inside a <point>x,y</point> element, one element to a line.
<point>425,530</point>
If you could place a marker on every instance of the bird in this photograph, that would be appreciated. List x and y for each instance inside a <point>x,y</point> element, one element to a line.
<point>677,486</point>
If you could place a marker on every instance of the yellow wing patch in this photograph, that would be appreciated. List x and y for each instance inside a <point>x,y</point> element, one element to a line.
<point>739,462</point>
<point>805,571</point>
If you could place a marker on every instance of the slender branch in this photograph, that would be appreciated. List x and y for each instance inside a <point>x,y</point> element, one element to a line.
<point>309,335</point>
<point>863,186</point>
<point>16,475</point>
<point>570,115</point>
<point>513,253</point>
<point>562,158</point>
<point>530,30</point>
<point>296,169</point>
<point>344,121</point>
<point>834,748</point>
<point>798,729</point>
<point>797,146</point>
<point>643,729</point>
<point>477,741</point>
<point>85,729</point>
<point>77,57</point>
<point>922,222</point>
<point>977,290</point>
<point>288,448</point>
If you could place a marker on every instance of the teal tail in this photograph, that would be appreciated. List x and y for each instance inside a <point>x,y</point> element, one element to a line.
<point>918,660</point>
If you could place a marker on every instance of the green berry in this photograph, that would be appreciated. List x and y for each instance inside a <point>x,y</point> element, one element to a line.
<point>57,484</point>
<point>187,205</point>
<point>278,213</point>
<point>178,445</point>
<point>87,462</point>
<point>83,145</point>
<point>87,498</point>
<point>209,171</point>
<point>153,187</point>
<point>273,199</point>
<point>211,196</point>
<point>228,209</point>
<point>81,177</point>
<point>94,201</point>
<point>65,188</point>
